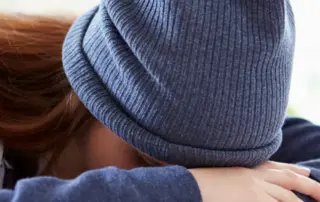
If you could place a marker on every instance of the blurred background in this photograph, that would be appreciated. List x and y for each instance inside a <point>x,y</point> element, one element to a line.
<point>305,90</point>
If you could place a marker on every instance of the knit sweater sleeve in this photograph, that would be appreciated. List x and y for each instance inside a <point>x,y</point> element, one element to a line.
<point>301,140</point>
<point>172,183</point>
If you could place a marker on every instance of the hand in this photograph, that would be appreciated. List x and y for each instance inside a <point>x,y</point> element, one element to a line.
<point>270,182</point>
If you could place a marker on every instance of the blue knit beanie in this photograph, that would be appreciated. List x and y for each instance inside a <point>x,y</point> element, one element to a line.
<point>189,82</point>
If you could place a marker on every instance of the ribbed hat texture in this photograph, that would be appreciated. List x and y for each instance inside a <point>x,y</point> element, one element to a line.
<point>189,82</point>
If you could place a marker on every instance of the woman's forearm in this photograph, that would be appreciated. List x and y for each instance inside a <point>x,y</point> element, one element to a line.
<point>172,183</point>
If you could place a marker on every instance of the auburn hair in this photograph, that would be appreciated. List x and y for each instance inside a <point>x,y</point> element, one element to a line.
<point>39,112</point>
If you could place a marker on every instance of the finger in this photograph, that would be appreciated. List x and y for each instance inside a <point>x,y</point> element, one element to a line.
<point>285,166</point>
<point>293,181</point>
<point>279,193</point>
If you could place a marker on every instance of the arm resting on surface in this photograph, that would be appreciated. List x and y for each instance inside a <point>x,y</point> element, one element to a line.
<point>172,183</point>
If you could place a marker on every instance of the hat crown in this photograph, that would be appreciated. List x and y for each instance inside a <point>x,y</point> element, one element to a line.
<point>211,75</point>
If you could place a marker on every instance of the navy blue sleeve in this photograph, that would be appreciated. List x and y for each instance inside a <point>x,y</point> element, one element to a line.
<point>171,184</point>
<point>301,145</point>
<point>301,141</point>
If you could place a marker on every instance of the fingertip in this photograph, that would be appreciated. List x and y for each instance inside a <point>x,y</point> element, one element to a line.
<point>305,171</point>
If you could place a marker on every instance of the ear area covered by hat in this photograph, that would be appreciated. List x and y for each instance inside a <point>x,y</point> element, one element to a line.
<point>195,83</point>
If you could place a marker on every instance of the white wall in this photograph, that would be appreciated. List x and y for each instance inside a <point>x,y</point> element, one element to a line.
<point>47,6</point>
<point>305,89</point>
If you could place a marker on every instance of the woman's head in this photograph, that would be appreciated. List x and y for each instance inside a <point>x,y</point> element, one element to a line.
<point>168,84</point>
<point>197,83</point>
<point>39,112</point>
